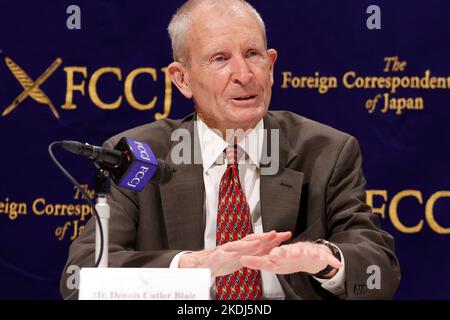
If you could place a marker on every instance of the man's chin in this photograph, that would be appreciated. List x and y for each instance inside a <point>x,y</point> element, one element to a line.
<point>246,119</point>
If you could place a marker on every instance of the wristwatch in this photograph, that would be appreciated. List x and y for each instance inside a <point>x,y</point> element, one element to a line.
<point>336,253</point>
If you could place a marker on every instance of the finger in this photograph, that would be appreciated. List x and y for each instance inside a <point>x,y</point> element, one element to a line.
<point>266,236</point>
<point>330,258</point>
<point>276,238</point>
<point>259,263</point>
<point>284,236</point>
<point>258,244</point>
<point>334,262</point>
<point>269,236</point>
<point>267,240</point>
<point>241,246</point>
<point>265,247</point>
<point>279,237</point>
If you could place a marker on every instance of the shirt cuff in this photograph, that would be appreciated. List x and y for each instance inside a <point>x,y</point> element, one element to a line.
<point>176,259</point>
<point>336,284</point>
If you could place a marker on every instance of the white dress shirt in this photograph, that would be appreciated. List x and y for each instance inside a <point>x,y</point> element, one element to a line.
<point>214,166</point>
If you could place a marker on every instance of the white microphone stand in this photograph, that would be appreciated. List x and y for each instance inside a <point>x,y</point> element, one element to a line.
<point>102,189</point>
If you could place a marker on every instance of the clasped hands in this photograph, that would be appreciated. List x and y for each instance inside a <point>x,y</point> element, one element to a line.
<point>263,252</point>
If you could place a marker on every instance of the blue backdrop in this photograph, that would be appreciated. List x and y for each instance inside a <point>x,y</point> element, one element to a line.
<point>405,145</point>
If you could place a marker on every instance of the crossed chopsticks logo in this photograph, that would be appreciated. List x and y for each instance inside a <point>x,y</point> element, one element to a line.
<point>31,88</point>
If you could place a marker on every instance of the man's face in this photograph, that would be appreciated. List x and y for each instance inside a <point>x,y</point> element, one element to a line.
<point>230,73</point>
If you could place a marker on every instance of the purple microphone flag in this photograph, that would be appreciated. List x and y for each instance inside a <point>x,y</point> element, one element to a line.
<point>143,166</point>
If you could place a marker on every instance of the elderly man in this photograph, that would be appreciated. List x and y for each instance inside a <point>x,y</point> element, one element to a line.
<point>302,232</point>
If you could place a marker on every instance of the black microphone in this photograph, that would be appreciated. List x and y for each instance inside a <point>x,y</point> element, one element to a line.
<point>103,156</point>
<point>132,164</point>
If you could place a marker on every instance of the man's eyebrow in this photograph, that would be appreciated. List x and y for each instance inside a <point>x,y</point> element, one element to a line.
<point>213,51</point>
<point>254,45</point>
<point>209,52</point>
<point>217,50</point>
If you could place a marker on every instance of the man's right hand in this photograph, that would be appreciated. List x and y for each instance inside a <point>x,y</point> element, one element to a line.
<point>225,259</point>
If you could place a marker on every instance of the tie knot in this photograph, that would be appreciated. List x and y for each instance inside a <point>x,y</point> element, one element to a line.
<point>232,154</point>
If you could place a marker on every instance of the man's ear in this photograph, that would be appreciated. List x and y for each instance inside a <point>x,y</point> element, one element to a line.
<point>180,78</point>
<point>273,54</point>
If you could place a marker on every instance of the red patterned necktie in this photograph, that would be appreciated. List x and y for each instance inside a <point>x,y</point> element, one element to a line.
<point>234,223</point>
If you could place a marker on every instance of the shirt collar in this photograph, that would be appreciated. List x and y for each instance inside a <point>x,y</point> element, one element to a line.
<point>212,144</point>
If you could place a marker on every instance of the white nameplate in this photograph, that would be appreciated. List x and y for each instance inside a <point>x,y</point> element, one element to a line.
<point>144,284</point>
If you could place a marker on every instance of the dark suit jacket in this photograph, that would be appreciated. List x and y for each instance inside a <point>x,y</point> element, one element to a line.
<point>318,192</point>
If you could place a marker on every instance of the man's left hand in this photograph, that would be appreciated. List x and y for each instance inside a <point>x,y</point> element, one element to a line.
<point>297,257</point>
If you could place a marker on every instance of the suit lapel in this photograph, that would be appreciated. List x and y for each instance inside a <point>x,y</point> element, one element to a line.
<point>280,192</point>
<point>182,198</point>
<point>280,200</point>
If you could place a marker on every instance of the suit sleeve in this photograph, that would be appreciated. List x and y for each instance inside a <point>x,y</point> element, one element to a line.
<point>123,223</point>
<point>356,231</point>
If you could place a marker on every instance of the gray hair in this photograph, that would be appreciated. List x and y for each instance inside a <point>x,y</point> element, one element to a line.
<point>181,20</point>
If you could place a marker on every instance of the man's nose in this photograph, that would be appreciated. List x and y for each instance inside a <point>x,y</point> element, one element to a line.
<point>241,72</point>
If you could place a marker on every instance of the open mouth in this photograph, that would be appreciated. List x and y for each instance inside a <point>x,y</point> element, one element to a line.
<point>244,98</point>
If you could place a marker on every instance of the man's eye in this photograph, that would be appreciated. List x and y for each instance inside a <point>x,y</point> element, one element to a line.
<point>252,53</point>
<point>218,59</point>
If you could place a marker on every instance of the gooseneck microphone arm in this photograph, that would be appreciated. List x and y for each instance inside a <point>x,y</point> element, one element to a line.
<point>85,196</point>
